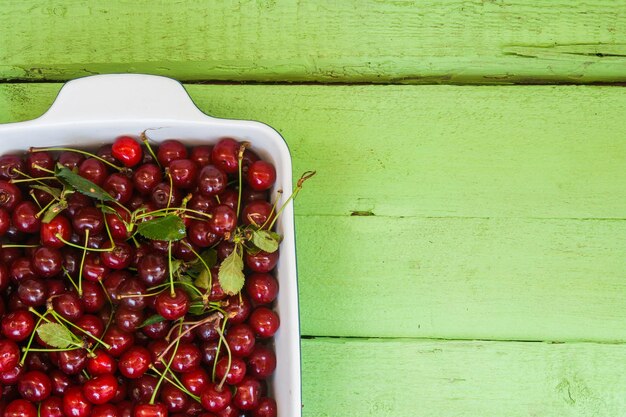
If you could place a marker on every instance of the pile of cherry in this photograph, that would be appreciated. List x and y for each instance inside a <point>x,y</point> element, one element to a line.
<point>122,287</point>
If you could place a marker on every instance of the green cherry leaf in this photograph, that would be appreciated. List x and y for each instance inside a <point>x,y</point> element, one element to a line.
<point>54,192</point>
<point>231,273</point>
<point>209,257</point>
<point>202,281</point>
<point>55,335</point>
<point>152,320</point>
<point>80,184</point>
<point>53,210</point>
<point>168,228</point>
<point>265,240</point>
<point>196,309</point>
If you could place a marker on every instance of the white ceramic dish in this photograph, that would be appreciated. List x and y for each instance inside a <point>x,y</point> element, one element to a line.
<point>94,110</point>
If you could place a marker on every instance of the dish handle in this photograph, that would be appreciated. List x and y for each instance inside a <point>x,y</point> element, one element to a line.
<point>123,97</point>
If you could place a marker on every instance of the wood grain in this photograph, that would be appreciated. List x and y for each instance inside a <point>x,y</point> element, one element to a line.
<point>409,378</point>
<point>378,41</point>
<point>483,212</point>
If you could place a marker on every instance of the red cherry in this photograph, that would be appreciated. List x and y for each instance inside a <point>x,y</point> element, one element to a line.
<point>261,176</point>
<point>215,399</point>
<point>127,150</point>
<point>225,155</point>
<point>34,386</point>
<point>75,404</point>
<point>100,389</point>
<point>248,394</point>
<point>20,408</point>
<point>266,408</point>
<point>134,362</point>
<point>59,225</point>
<point>9,355</point>
<point>264,322</point>
<point>100,364</point>
<point>150,410</point>
<point>51,407</point>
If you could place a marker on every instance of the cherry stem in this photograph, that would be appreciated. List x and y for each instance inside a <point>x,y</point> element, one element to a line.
<point>44,209</point>
<point>167,366</point>
<point>242,149</point>
<point>77,151</point>
<point>146,141</point>
<point>181,335</point>
<point>38,179</point>
<point>167,210</point>
<point>169,261</point>
<point>32,194</point>
<point>176,382</point>
<point>60,317</point>
<point>68,243</point>
<point>219,346</point>
<point>19,246</point>
<point>171,192</point>
<point>230,358</point>
<point>69,277</point>
<point>208,270</point>
<point>28,176</point>
<point>106,226</point>
<point>30,340</point>
<point>303,178</point>
<point>82,262</point>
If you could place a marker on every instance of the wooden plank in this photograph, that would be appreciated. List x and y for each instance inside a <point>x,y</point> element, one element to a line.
<point>408,378</point>
<point>431,151</point>
<point>497,211</point>
<point>429,41</point>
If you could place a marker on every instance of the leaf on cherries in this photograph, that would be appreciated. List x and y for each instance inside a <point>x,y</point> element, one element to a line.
<point>231,273</point>
<point>54,192</point>
<point>266,240</point>
<point>169,228</point>
<point>80,184</point>
<point>53,210</point>
<point>55,335</point>
<point>196,309</point>
<point>154,319</point>
<point>209,257</point>
<point>203,279</point>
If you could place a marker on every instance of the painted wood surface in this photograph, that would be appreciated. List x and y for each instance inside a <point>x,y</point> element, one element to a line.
<point>411,378</point>
<point>495,212</point>
<point>430,41</point>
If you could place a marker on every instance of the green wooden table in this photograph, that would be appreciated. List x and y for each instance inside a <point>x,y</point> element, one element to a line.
<point>462,251</point>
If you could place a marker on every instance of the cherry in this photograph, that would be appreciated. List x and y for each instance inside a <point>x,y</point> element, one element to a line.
<point>8,255</point>
<point>162,197</point>
<point>94,269</point>
<point>200,202</point>
<point>119,340</point>
<point>201,155</point>
<point>34,386</point>
<point>170,150</point>
<point>264,322</point>
<point>113,285</point>
<point>230,198</point>
<point>199,233</point>
<point>93,298</point>
<point>119,257</point>
<point>105,410</point>
<point>195,380</point>
<point>266,408</point>
<point>208,331</point>
<point>75,404</point>
<point>186,358</point>
<point>211,180</point>
<point>225,155</point>
<point>38,361</point>
<point>32,292</point>
<point>142,388</point>
<point>175,400</point>
<point>12,376</point>
<point>127,150</point>
<point>20,408</point>
<point>183,172</point>
<point>223,220</point>
<point>234,374</point>
<point>88,218</point>
<point>156,330</point>
<point>5,221</point>
<point>238,308</point>
<point>128,320</point>
<point>240,339</point>
<point>261,362</point>
<point>248,394</point>
<point>184,250</point>
<point>91,324</point>
<point>25,217</point>
<point>72,362</point>
<point>100,389</point>
<point>60,225</point>
<point>132,293</point>
<point>118,223</point>
<point>94,170</point>
<point>51,407</point>
<point>172,307</point>
<point>150,410</point>
<point>60,381</point>
<point>261,175</point>
<point>258,212</point>
<point>214,398</point>
<point>68,305</point>
<point>146,177</point>
<point>17,325</point>
<point>10,165</point>
<point>209,352</point>
<point>261,261</point>
<point>125,409</point>
<point>262,288</point>
<point>152,269</point>
<point>47,261</point>
<point>134,362</point>
<point>37,160</point>
<point>71,160</point>
<point>101,363</point>
<point>106,152</point>
<point>10,195</point>
<point>119,186</point>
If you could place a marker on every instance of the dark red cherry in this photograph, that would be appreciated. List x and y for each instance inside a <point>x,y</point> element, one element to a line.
<point>261,261</point>
<point>34,386</point>
<point>93,298</point>
<point>195,380</point>
<point>258,212</point>
<point>51,407</point>
<point>150,410</point>
<point>156,330</point>
<point>113,284</point>
<point>119,257</point>
<point>264,322</point>
<point>201,155</point>
<point>101,363</point>
<point>119,340</point>
<point>72,362</point>
<point>88,218</point>
<point>25,218</point>
<point>162,197</point>
<point>68,305</point>
<point>100,389</point>
<point>118,223</point>
<point>230,198</point>
<point>184,173</point>
<point>262,288</point>
<point>200,234</point>
<point>172,307</point>
<point>11,166</point>
<point>240,339</point>
<point>128,320</point>
<point>234,374</point>
<point>248,394</point>
<point>106,152</point>
<point>119,186</point>
<point>223,220</point>
<point>22,269</point>
<point>209,352</point>
<point>186,358</point>
<point>266,408</point>
<point>134,362</point>
<point>12,376</point>
<point>237,308</point>
<point>60,225</point>
<point>132,294</point>
<point>171,150</point>
<point>225,155</point>
<point>146,177</point>
<point>105,410</point>
<point>91,324</point>
<point>214,398</point>
<point>261,362</point>
<point>261,176</point>
<point>5,221</point>
<point>75,404</point>
<point>152,269</point>
<point>94,268</point>
<point>127,150</point>
<point>38,164</point>
<point>38,361</point>
<point>75,202</point>
<point>10,195</point>
<point>71,159</point>
<point>200,202</point>
<point>18,325</point>
<point>20,408</point>
<point>47,261</point>
<point>32,292</point>
<point>211,180</point>
<point>175,400</point>
<point>94,170</point>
